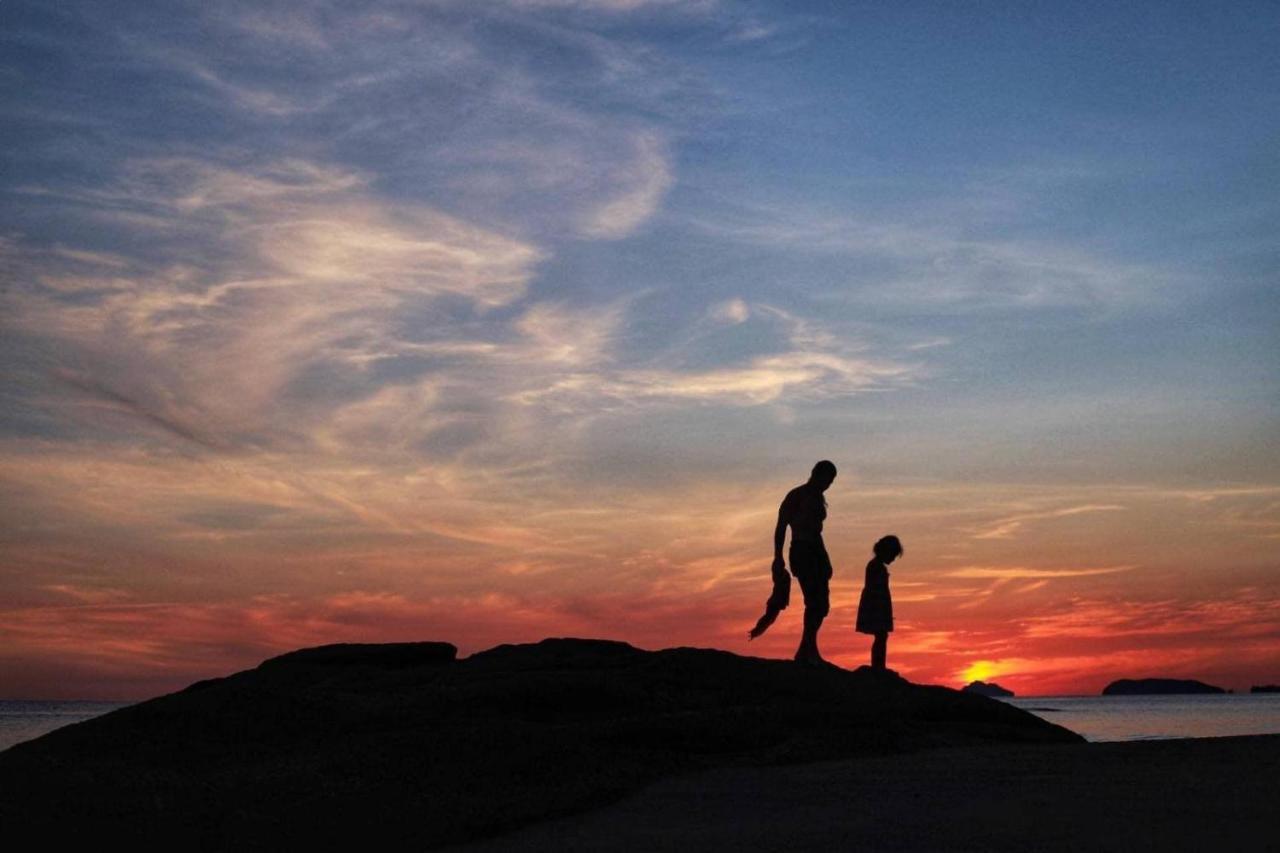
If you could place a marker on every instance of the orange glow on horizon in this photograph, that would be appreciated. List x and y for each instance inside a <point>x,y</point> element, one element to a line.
<point>983,670</point>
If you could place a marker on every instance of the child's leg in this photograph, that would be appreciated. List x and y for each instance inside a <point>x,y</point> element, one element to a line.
<point>879,648</point>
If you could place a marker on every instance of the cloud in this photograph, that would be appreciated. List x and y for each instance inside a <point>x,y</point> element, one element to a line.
<point>812,365</point>
<point>522,146</point>
<point>763,380</point>
<point>1006,527</point>
<point>249,97</point>
<point>1244,510</point>
<point>731,311</point>
<point>1077,645</point>
<point>87,595</point>
<point>752,31</point>
<point>306,272</point>
<point>296,24</point>
<point>925,263</point>
<point>1243,613</point>
<point>1008,573</point>
<point>360,369</point>
<point>617,6</point>
<point>640,187</point>
<point>162,646</point>
<point>571,337</point>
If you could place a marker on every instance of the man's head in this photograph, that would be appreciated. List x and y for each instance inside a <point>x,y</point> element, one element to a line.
<point>823,475</point>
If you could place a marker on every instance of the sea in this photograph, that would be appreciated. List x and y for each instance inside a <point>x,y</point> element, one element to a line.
<point>1112,718</point>
<point>27,720</point>
<point>1098,718</point>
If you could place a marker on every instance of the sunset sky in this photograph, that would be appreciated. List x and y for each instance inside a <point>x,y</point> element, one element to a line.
<point>491,321</point>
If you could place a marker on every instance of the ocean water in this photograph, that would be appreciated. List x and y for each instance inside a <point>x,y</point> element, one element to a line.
<point>21,721</point>
<point>1110,718</point>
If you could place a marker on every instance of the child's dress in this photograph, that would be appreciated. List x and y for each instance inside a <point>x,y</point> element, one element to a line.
<point>875,608</point>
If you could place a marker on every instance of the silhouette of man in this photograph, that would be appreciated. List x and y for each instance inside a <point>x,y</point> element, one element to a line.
<point>804,509</point>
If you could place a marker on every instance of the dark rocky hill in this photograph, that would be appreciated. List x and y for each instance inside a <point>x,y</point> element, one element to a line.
<point>402,746</point>
<point>1157,686</point>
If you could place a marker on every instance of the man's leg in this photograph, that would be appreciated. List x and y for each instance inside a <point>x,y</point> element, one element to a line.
<point>817,604</point>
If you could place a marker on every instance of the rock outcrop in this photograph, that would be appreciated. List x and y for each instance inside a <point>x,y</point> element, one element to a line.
<point>982,688</point>
<point>1157,686</point>
<point>396,747</point>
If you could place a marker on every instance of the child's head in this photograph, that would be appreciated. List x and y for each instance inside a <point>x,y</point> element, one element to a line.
<point>887,549</point>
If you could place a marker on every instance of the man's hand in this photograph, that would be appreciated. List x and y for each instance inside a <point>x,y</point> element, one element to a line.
<point>779,566</point>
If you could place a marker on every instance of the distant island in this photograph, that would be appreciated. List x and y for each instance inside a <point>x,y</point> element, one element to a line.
<point>1157,687</point>
<point>982,688</point>
<point>1265,688</point>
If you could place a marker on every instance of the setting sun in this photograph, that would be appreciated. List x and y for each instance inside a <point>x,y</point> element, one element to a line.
<point>981,671</point>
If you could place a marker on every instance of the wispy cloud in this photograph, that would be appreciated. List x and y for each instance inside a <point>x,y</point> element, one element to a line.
<point>730,311</point>
<point>306,268</point>
<point>764,379</point>
<point>928,263</point>
<point>1008,573</point>
<point>617,5</point>
<point>640,188</point>
<point>1245,613</point>
<point>576,338</point>
<point>1005,528</point>
<point>814,365</point>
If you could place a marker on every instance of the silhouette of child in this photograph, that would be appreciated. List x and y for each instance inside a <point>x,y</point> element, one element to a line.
<point>875,607</point>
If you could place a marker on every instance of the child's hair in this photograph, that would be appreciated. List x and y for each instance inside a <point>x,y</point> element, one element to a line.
<point>888,546</point>
<point>825,468</point>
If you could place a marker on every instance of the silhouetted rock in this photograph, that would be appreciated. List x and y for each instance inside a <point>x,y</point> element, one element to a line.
<point>1265,688</point>
<point>1157,686</point>
<point>392,747</point>
<point>982,688</point>
<point>367,654</point>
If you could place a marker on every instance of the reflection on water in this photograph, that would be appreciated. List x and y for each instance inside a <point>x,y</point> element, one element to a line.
<point>1108,718</point>
<point>21,721</point>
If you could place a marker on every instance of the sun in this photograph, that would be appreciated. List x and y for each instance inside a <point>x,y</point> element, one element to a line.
<point>980,671</point>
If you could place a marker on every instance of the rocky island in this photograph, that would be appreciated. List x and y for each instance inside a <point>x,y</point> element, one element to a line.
<point>982,688</point>
<point>1158,687</point>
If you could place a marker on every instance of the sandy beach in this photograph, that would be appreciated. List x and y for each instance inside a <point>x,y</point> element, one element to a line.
<point>1192,795</point>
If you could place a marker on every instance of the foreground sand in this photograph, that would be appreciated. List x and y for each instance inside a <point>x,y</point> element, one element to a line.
<point>1192,795</point>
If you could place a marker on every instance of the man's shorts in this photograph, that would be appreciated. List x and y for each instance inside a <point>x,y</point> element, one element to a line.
<point>812,568</point>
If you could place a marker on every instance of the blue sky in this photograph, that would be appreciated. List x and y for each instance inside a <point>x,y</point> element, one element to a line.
<point>491,282</point>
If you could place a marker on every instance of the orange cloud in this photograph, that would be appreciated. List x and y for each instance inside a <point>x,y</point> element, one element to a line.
<point>1007,573</point>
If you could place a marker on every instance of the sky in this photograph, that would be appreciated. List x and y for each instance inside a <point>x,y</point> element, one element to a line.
<point>486,322</point>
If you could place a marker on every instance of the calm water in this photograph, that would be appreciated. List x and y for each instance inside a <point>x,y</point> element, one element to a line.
<point>1101,718</point>
<point>1098,718</point>
<point>21,721</point>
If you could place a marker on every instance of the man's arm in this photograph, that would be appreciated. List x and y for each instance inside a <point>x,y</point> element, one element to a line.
<point>780,535</point>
